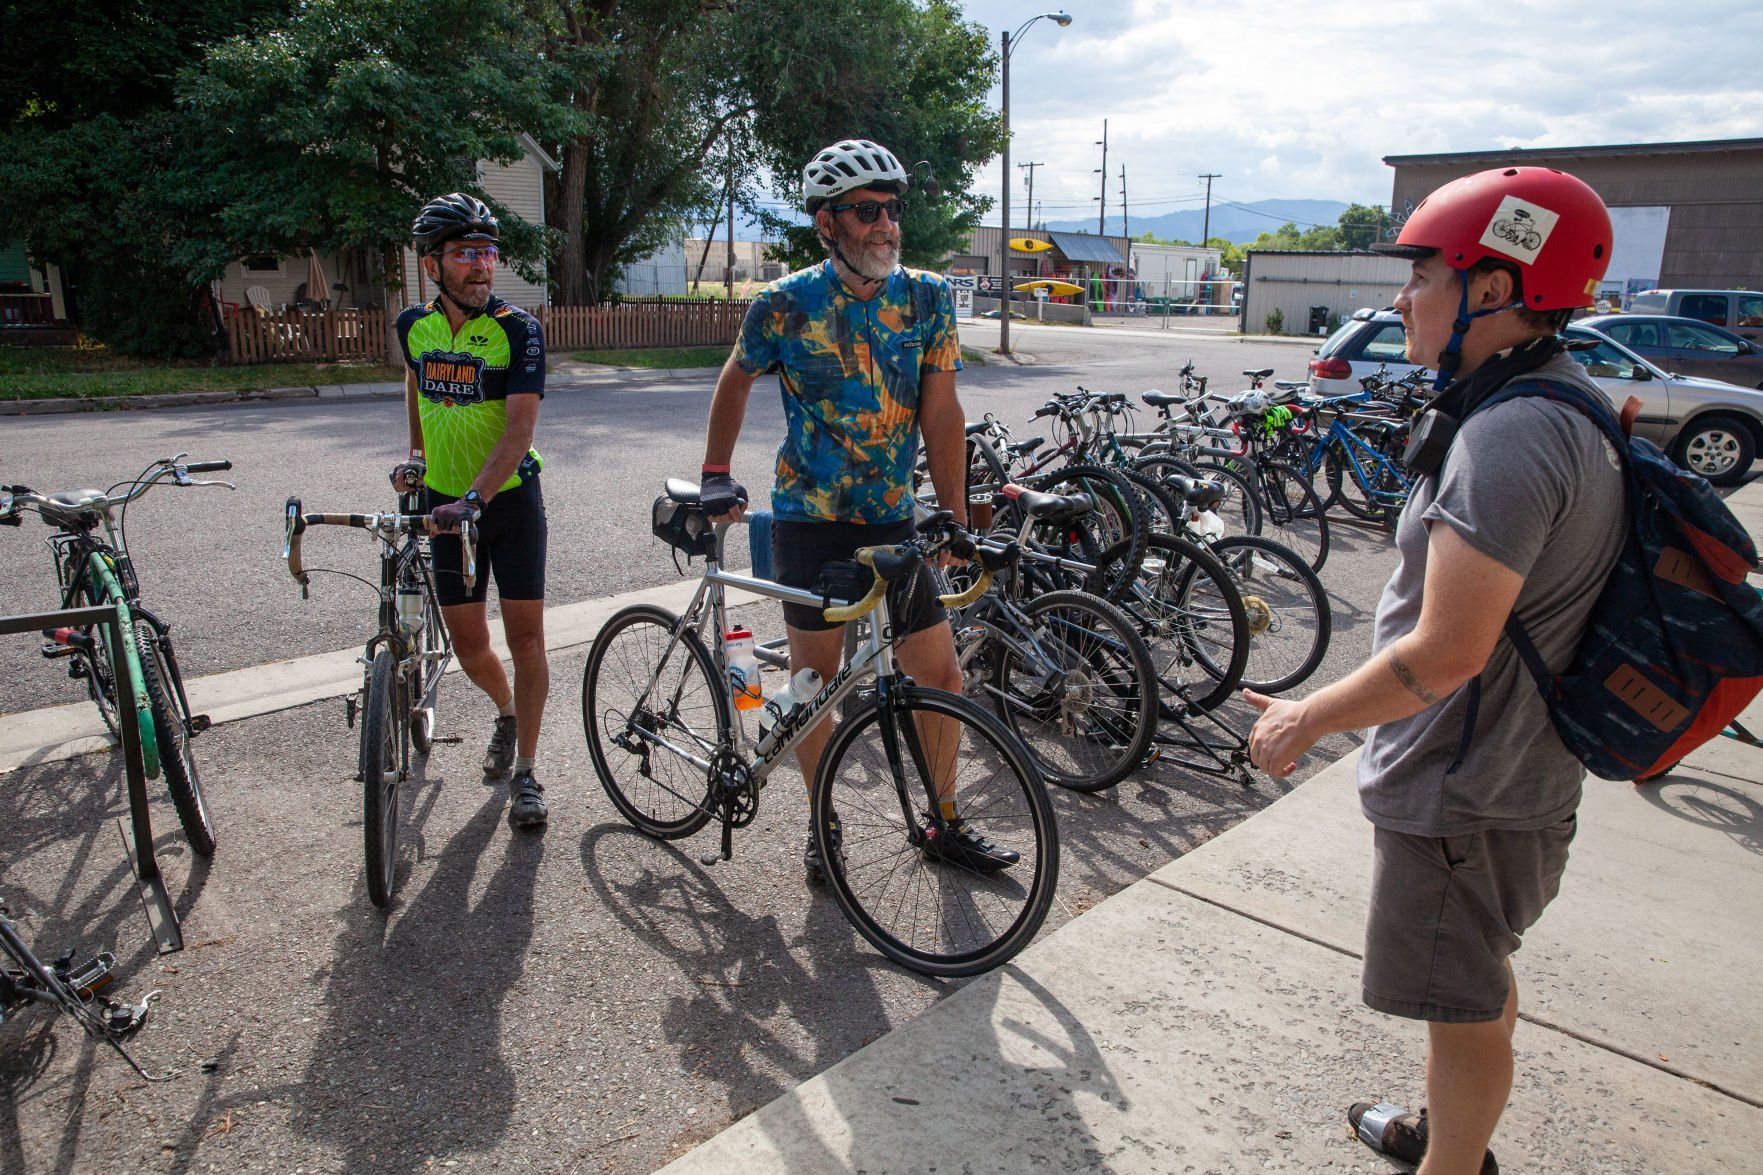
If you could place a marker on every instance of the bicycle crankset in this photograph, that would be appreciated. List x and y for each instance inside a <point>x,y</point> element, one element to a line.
<point>734,787</point>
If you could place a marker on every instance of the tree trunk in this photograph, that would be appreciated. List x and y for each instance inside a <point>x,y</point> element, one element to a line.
<point>574,286</point>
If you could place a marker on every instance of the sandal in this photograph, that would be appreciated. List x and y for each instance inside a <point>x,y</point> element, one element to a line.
<point>1391,1130</point>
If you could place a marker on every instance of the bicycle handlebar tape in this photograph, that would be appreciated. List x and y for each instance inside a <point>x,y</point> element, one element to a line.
<point>468,552</point>
<point>979,588</point>
<point>863,607</point>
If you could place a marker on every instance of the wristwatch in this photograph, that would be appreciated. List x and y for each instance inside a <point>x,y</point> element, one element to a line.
<point>473,499</point>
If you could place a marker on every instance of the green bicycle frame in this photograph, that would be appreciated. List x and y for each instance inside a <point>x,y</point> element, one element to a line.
<point>106,587</point>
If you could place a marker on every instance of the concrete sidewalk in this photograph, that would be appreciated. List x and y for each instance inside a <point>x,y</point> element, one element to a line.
<point>1208,1018</point>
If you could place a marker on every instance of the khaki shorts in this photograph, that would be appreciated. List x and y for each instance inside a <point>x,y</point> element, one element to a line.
<point>1447,911</point>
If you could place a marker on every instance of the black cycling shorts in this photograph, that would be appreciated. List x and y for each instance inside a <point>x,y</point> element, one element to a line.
<point>799,549</point>
<point>510,544</point>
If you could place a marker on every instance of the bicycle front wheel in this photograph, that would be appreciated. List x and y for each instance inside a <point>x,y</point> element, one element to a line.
<point>651,695</point>
<point>1190,614</point>
<point>1291,512</point>
<point>175,759</point>
<point>1078,687</point>
<point>881,775</point>
<point>379,774</point>
<point>1290,620</point>
<point>424,667</point>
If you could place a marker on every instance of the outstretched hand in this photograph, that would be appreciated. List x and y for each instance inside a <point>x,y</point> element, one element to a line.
<point>1280,737</point>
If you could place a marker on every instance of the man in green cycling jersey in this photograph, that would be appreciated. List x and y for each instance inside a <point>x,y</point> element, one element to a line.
<point>476,374</point>
<point>867,355</point>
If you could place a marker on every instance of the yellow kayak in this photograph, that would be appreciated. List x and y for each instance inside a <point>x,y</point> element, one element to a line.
<point>1055,289</point>
<point>1029,245</point>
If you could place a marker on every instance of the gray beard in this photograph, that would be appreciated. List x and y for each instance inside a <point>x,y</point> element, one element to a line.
<point>874,262</point>
<point>466,296</point>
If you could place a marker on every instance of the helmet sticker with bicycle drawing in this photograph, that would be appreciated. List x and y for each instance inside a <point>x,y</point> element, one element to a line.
<point>1519,229</point>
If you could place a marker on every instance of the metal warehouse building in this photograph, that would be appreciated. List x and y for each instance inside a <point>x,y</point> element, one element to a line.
<point>1295,283</point>
<point>1686,215</point>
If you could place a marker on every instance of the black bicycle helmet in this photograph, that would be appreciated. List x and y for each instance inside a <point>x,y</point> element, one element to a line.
<point>453,217</point>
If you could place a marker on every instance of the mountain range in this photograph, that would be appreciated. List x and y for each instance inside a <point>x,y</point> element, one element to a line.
<point>1237,223</point>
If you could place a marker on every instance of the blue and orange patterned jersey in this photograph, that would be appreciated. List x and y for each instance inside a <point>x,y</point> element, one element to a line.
<point>849,371</point>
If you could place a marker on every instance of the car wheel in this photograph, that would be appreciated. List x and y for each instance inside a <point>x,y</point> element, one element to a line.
<point>1719,448</point>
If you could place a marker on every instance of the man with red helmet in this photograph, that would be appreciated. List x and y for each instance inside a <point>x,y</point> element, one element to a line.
<point>1517,511</point>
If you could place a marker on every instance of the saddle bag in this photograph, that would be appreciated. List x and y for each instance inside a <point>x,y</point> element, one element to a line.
<point>682,526</point>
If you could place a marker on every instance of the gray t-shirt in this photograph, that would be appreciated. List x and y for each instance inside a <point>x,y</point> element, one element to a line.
<point>1534,485</point>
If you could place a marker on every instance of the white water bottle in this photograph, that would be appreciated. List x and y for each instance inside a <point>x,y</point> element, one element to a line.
<point>776,715</point>
<point>1210,525</point>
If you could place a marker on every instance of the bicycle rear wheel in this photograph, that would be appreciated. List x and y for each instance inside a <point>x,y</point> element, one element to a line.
<point>96,667</point>
<point>644,691</point>
<point>1190,615</point>
<point>1118,516</point>
<point>429,643</point>
<point>380,742</point>
<point>1290,620</point>
<point>927,912</point>
<point>1291,513</point>
<point>175,759</point>
<point>1082,696</point>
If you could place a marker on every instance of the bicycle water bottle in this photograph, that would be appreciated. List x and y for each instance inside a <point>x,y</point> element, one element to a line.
<point>410,608</point>
<point>743,670</point>
<point>779,714</point>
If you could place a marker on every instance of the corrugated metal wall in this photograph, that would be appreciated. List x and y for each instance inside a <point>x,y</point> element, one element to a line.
<point>1715,237</point>
<point>1292,282</point>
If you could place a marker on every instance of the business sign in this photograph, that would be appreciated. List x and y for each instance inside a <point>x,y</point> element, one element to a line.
<point>989,285</point>
<point>961,289</point>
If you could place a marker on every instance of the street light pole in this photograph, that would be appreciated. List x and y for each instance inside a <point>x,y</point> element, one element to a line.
<point>1005,39</point>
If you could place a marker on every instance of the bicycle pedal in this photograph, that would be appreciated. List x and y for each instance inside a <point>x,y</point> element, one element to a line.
<point>1151,756</point>
<point>350,705</point>
<point>54,651</point>
<point>199,723</point>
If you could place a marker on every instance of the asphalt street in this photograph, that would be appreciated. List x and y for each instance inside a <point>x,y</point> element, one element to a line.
<point>582,1000</point>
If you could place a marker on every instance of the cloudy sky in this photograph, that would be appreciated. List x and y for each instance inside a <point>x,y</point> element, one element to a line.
<point>1303,98</point>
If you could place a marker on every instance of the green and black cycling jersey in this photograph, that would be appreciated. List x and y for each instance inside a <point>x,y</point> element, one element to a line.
<point>463,382</point>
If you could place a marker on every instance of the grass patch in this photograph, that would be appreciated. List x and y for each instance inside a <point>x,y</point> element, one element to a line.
<point>43,373</point>
<point>973,357</point>
<point>657,357</point>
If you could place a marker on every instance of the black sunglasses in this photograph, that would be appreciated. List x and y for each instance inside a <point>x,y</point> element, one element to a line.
<point>869,211</point>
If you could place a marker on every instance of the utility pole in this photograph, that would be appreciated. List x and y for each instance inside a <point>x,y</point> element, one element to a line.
<point>1124,230</point>
<point>1206,223</point>
<point>1102,215</point>
<point>1031,191</point>
<point>731,226</point>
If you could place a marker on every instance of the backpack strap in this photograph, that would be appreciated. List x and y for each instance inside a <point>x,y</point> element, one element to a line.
<point>1616,432</point>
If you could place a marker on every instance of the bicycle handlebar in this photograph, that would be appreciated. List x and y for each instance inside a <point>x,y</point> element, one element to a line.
<point>382,525</point>
<point>18,496</point>
<point>958,540</point>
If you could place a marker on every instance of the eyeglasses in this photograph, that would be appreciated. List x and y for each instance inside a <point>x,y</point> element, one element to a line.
<point>869,211</point>
<point>468,256</point>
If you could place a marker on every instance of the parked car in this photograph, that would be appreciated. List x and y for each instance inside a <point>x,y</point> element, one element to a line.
<point>1709,427</point>
<point>1684,344</point>
<point>1736,310</point>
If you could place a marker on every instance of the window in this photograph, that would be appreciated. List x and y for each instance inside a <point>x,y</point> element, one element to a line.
<point>1604,361</point>
<point>1635,334</point>
<point>262,265</point>
<point>1750,310</point>
<point>1707,307</point>
<point>1388,345</point>
<point>1685,337</point>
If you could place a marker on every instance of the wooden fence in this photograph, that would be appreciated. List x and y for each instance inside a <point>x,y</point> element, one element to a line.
<point>307,336</point>
<point>326,336</point>
<point>633,323</point>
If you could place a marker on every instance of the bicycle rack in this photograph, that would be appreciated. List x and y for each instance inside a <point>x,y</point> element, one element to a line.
<point>137,830</point>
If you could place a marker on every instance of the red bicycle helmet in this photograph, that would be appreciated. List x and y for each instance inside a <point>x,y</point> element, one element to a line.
<point>1550,224</point>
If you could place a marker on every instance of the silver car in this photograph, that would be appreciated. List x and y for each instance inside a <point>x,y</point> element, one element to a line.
<point>1711,428</point>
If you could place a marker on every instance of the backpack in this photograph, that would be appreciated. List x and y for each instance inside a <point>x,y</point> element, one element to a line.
<point>1673,650</point>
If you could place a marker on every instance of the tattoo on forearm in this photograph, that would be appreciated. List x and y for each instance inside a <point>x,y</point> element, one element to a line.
<point>1409,681</point>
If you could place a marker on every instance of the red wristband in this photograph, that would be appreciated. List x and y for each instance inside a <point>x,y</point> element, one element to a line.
<point>714,469</point>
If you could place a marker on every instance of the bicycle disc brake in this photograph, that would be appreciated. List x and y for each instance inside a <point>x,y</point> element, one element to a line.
<point>1260,614</point>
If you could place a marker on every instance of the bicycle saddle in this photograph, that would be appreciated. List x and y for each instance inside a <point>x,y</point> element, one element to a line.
<point>1159,399</point>
<point>1291,385</point>
<point>1028,446</point>
<point>974,426</point>
<point>681,490</point>
<point>1259,373</point>
<point>1054,507</point>
<point>1201,495</point>
<point>75,499</point>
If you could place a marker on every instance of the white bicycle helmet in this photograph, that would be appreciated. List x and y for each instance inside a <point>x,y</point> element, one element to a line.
<point>849,165</point>
<point>1252,402</point>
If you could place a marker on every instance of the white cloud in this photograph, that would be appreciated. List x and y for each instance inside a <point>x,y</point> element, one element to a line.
<point>1303,98</point>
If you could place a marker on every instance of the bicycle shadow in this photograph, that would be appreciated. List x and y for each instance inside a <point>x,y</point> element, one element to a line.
<point>408,1064</point>
<point>1692,796</point>
<point>754,980</point>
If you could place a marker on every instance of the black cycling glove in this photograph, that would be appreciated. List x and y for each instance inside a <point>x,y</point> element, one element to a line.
<point>720,494</point>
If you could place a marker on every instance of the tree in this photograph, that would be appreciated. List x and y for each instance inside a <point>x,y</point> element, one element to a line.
<point>330,131</point>
<point>1363,226</point>
<point>95,159</point>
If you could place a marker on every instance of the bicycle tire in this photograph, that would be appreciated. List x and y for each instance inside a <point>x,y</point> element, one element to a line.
<point>1357,496</point>
<point>99,671</point>
<point>1163,509</point>
<point>1291,511</point>
<point>380,717</point>
<point>176,761</point>
<point>1290,620</point>
<point>428,643</point>
<point>613,710</point>
<point>1105,702</point>
<point>898,899</point>
<point>1117,517</point>
<point>1183,601</point>
<point>1240,511</point>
